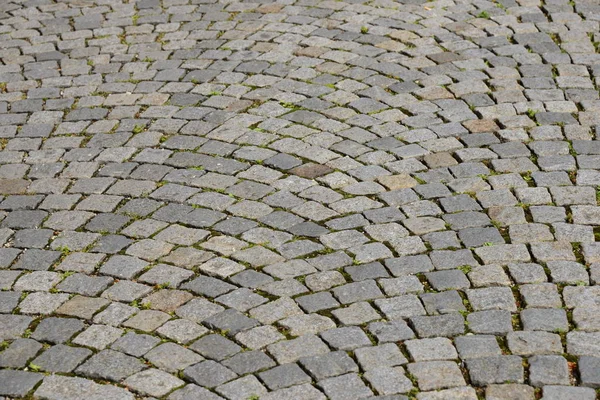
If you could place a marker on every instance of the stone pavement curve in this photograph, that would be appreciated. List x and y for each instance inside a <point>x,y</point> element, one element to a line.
<point>299,199</point>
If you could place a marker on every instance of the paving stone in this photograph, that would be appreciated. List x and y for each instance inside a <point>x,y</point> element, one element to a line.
<point>84,285</point>
<point>305,391</point>
<point>194,392</point>
<point>588,370</point>
<point>61,358</point>
<point>531,343</point>
<point>542,295</point>
<point>492,299</point>
<point>207,286</point>
<point>245,387</point>
<point>166,300</point>
<point>388,381</point>
<point>298,325</point>
<point>98,336</point>
<point>292,350</point>
<point>344,386</point>
<point>383,355</point>
<point>249,362</point>
<point>358,291</point>
<point>392,331</point>
<point>440,325</point>
<point>495,322</point>
<point>561,392</point>
<point>18,353</point>
<point>36,260</point>
<point>135,344</point>
<point>230,321</point>
<point>548,370</point>
<point>346,338</point>
<point>153,382</point>
<point>496,369</point>
<point>443,302</point>
<point>433,375</point>
<point>56,330</point>
<point>431,349</point>
<point>56,387</point>
<point>172,357</point>
<point>450,279</point>
<point>110,365</point>
<point>283,376</point>
<point>328,365</point>
<point>209,374</point>
<point>477,346</point>
<point>552,320</point>
<point>9,301</point>
<point>147,320</point>
<point>18,383</point>
<point>162,274</point>
<point>509,391</point>
<point>215,347</point>
<point>181,330</point>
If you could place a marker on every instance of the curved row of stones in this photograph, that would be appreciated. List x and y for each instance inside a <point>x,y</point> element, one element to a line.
<point>299,199</point>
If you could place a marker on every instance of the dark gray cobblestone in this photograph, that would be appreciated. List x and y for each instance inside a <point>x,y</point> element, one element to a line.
<point>299,199</point>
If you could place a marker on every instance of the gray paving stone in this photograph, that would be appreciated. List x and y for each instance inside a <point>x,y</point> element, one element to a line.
<point>553,320</point>
<point>98,336</point>
<point>110,365</point>
<point>492,299</point>
<point>345,386</point>
<point>495,322</point>
<point>245,387</point>
<point>292,350</point>
<point>230,321</point>
<point>153,382</point>
<point>392,331</point>
<point>346,338</point>
<point>386,354</point>
<point>533,343</point>
<point>588,370</point>
<point>496,369</point>
<point>431,349</point>
<point>440,325</point>
<point>172,357</point>
<point>548,370</point>
<point>18,383</point>
<point>57,330</point>
<point>510,391</point>
<point>477,346</point>
<point>18,353</point>
<point>466,393</point>
<point>61,358</point>
<point>328,364</point>
<point>57,387</point>
<point>283,376</point>
<point>135,344</point>
<point>443,302</point>
<point>193,392</point>
<point>305,391</point>
<point>564,392</point>
<point>209,374</point>
<point>433,375</point>
<point>147,320</point>
<point>249,362</point>
<point>389,381</point>
<point>9,301</point>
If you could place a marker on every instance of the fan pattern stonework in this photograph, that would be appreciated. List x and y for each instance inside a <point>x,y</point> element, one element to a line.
<point>299,199</point>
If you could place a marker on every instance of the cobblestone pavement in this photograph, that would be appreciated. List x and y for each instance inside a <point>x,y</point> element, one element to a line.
<point>299,199</point>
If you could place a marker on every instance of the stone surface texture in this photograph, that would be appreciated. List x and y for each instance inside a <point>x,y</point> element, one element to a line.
<point>299,199</point>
